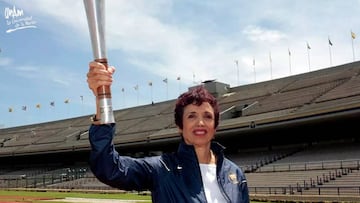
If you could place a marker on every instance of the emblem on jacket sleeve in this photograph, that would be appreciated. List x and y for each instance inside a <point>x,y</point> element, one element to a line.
<point>233,178</point>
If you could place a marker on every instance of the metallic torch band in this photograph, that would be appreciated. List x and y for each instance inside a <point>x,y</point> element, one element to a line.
<point>106,111</point>
<point>95,12</point>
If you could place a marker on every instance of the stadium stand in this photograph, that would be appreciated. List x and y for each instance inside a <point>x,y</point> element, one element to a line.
<point>295,137</point>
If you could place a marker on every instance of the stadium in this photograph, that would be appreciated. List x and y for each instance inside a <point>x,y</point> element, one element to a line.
<point>294,137</point>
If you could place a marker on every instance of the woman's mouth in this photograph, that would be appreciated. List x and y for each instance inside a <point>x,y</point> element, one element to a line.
<point>199,132</point>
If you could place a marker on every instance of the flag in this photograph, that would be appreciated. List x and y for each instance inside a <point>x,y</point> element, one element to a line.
<point>23,108</point>
<point>38,106</point>
<point>52,103</point>
<point>330,43</point>
<point>66,101</point>
<point>10,109</point>
<point>308,46</point>
<point>150,83</point>
<point>353,35</point>
<point>165,80</point>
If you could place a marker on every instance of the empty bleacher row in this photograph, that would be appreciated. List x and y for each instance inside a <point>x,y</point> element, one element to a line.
<point>307,170</point>
<point>317,169</point>
<point>325,166</point>
<point>320,90</point>
<point>73,133</point>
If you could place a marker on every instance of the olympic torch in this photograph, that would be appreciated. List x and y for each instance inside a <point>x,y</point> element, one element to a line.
<point>95,12</point>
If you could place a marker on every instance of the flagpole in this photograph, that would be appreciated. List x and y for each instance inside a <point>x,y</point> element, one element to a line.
<point>67,107</point>
<point>179,78</point>
<point>308,53</point>
<point>152,100</point>
<point>137,96</point>
<point>289,61</point>
<point>254,69</point>
<point>270,59</point>
<point>237,69</point>
<point>330,55</point>
<point>24,108</point>
<point>167,88</point>
<point>352,43</point>
<point>52,108</point>
<point>137,93</point>
<point>82,104</point>
<point>11,118</point>
<point>151,92</point>
<point>124,101</point>
<point>330,44</point>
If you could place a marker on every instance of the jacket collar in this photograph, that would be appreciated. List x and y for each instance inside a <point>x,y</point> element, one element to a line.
<point>187,152</point>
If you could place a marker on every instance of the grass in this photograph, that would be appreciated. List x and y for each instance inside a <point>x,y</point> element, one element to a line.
<point>41,197</point>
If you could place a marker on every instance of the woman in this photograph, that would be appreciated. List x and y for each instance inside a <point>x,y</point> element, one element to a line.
<point>197,172</point>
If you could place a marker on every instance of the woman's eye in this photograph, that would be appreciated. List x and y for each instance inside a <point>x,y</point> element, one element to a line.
<point>191,116</point>
<point>208,116</point>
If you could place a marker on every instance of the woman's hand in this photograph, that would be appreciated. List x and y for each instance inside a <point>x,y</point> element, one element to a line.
<point>99,75</point>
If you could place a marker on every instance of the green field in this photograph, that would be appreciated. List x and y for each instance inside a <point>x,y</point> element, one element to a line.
<point>20,196</point>
<point>43,196</point>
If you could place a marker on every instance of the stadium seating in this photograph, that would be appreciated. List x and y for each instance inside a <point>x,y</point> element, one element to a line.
<point>315,165</point>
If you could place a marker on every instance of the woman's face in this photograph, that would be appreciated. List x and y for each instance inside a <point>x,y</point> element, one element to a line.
<point>198,125</point>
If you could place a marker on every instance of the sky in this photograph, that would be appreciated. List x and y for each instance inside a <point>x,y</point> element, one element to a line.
<point>46,48</point>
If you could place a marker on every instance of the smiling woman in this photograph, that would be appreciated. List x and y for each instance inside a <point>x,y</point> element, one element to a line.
<point>187,175</point>
<point>197,116</point>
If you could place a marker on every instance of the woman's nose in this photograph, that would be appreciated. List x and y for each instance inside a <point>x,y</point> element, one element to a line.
<point>201,122</point>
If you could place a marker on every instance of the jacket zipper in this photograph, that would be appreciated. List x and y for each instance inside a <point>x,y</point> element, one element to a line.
<point>218,167</point>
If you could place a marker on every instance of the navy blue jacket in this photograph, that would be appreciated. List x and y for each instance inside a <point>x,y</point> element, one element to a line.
<point>171,177</point>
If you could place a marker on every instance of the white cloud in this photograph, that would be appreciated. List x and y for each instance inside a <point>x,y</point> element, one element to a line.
<point>256,33</point>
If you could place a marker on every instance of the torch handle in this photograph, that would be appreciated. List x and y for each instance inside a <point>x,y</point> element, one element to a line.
<point>104,111</point>
<point>103,91</point>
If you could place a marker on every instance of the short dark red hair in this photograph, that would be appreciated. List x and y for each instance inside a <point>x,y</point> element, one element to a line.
<point>196,96</point>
